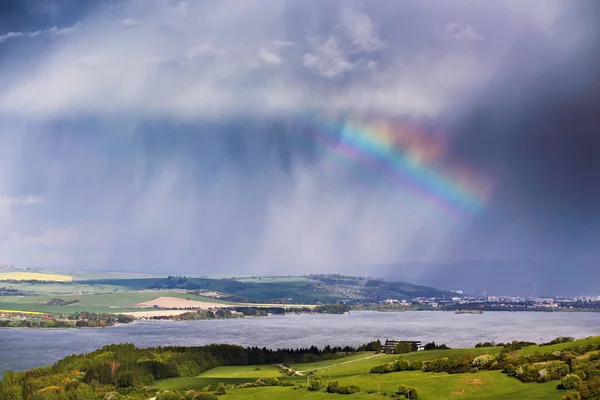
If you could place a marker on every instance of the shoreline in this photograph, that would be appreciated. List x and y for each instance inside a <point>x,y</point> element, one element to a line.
<point>169,317</point>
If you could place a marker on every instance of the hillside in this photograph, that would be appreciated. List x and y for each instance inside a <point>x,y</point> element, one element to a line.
<point>300,290</point>
<point>505,371</point>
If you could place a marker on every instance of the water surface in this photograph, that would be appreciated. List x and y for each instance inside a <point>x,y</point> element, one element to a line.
<point>22,348</point>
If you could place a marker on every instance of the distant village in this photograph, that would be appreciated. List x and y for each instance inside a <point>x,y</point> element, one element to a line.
<point>500,303</point>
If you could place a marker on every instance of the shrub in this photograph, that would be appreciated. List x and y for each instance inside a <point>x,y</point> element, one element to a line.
<point>348,389</point>
<point>572,396</point>
<point>269,381</point>
<point>594,357</point>
<point>571,381</point>
<point>383,368</point>
<point>509,369</point>
<point>580,373</point>
<point>204,396</point>
<point>316,384</point>
<point>220,389</point>
<point>401,365</point>
<point>408,391</point>
<point>168,395</point>
<point>416,365</point>
<point>332,387</point>
<point>483,361</point>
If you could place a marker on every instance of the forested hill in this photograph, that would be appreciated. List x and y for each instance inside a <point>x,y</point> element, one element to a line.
<point>307,289</point>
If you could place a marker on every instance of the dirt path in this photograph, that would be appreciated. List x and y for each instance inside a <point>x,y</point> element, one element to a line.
<point>301,373</point>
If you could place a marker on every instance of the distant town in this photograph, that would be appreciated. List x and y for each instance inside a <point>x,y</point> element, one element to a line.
<point>499,303</point>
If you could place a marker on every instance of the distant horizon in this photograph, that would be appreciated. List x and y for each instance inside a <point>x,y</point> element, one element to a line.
<point>468,293</point>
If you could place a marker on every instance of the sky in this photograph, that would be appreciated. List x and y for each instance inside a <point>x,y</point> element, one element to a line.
<point>285,137</point>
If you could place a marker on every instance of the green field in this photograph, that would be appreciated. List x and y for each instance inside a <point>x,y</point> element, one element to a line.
<point>100,303</point>
<point>354,370</point>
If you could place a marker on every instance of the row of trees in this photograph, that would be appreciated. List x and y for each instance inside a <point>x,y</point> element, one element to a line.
<point>126,368</point>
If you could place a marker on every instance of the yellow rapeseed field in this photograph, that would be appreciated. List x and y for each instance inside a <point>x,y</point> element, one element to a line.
<point>21,312</point>
<point>30,276</point>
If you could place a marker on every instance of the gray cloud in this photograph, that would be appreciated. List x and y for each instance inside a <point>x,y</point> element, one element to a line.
<point>182,135</point>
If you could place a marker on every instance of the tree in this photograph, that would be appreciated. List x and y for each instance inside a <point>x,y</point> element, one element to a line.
<point>402,347</point>
<point>377,346</point>
<point>10,392</point>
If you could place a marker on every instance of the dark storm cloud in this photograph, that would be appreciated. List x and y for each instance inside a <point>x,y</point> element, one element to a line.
<point>180,135</point>
<point>536,130</point>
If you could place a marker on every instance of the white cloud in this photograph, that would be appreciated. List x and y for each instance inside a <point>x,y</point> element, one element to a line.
<point>53,31</point>
<point>463,32</point>
<point>327,59</point>
<point>360,29</point>
<point>269,57</point>
<point>7,203</point>
<point>198,59</point>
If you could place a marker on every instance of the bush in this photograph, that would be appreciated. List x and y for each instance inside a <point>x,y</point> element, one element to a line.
<point>352,389</point>
<point>594,357</point>
<point>572,396</point>
<point>269,381</point>
<point>483,361</point>
<point>401,365</point>
<point>383,368</point>
<point>220,389</point>
<point>316,384</point>
<point>580,373</point>
<point>168,395</point>
<point>332,387</point>
<point>509,369</point>
<point>204,396</point>
<point>416,365</point>
<point>571,381</point>
<point>408,391</point>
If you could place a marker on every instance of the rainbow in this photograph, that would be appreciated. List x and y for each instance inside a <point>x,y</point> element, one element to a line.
<point>410,156</point>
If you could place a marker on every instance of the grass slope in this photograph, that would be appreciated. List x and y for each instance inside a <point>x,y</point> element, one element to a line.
<point>354,370</point>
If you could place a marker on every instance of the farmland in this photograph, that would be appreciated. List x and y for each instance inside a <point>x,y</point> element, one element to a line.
<point>34,276</point>
<point>114,292</point>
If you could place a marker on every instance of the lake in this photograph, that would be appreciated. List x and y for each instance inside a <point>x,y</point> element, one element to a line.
<point>22,348</point>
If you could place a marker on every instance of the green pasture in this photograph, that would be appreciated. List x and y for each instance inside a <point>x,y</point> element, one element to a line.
<point>594,340</point>
<point>66,288</point>
<point>100,303</point>
<point>354,370</point>
<point>292,394</point>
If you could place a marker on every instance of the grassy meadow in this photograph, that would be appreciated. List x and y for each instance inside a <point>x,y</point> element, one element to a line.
<point>354,370</point>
